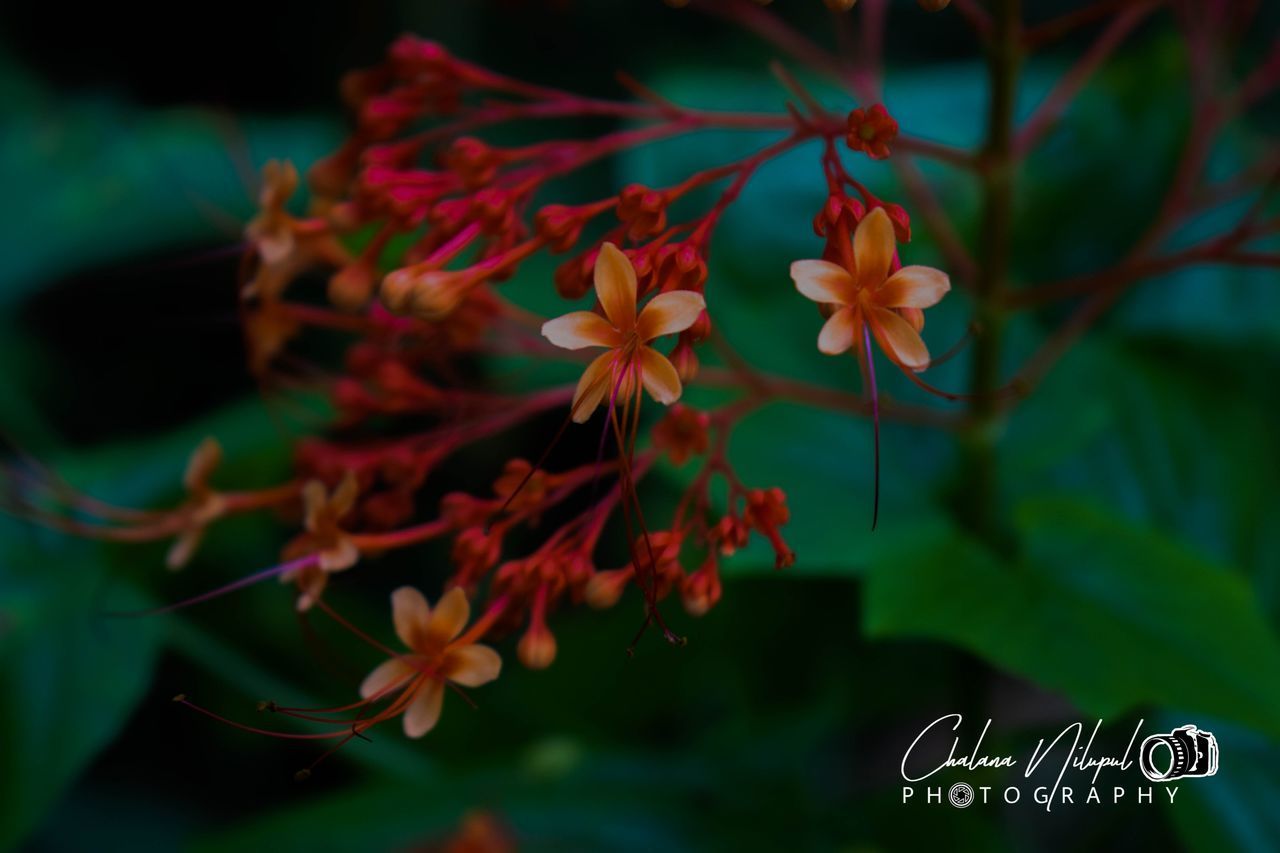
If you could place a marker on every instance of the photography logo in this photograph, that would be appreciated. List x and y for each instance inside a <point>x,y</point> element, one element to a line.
<point>1066,770</point>
<point>960,795</point>
<point>1185,751</point>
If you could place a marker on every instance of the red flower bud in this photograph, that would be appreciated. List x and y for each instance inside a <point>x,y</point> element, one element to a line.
<point>871,130</point>
<point>685,359</point>
<point>701,590</point>
<point>682,433</point>
<point>766,511</point>
<point>901,221</point>
<point>388,510</point>
<point>840,211</point>
<point>730,534</point>
<point>560,225</point>
<point>573,278</point>
<point>472,160</point>
<point>642,210</point>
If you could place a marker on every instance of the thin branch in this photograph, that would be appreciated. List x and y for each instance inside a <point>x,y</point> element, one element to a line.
<point>1038,36</point>
<point>1057,101</point>
<point>978,17</point>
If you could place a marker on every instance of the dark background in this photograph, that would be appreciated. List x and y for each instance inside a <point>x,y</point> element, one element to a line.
<point>1142,476</point>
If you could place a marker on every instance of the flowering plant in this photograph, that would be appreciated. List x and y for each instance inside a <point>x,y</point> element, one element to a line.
<point>447,237</point>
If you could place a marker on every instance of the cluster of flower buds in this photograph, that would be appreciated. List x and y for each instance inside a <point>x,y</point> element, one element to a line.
<point>842,212</point>
<point>412,223</point>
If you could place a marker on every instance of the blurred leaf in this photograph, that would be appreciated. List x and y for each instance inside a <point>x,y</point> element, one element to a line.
<point>824,462</point>
<point>255,439</point>
<point>1110,613</point>
<point>69,677</point>
<point>1175,437</point>
<point>103,181</point>
<point>608,804</point>
<point>1235,809</point>
<point>1215,305</point>
<point>1064,224</point>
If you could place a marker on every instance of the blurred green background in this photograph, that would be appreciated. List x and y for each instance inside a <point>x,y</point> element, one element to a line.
<point>1139,481</point>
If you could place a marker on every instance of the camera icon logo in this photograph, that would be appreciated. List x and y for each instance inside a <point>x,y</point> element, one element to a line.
<point>1185,751</point>
<point>960,795</point>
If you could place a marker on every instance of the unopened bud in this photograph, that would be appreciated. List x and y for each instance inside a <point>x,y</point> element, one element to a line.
<point>397,289</point>
<point>685,360</point>
<point>537,648</point>
<point>352,286</point>
<point>605,588</point>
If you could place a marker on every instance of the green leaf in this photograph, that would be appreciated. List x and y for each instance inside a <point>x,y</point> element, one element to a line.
<point>1174,437</point>
<point>1235,809</point>
<point>1111,614</point>
<point>256,445</point>
<point>824,463</point>
<point>143,180</point>
<point>607,804</point>
<point>69,676</point>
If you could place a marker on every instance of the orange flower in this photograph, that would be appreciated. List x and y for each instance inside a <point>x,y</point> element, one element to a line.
<point>866,294</point>
<point>324,537</point>
<point>436,655</point>
<point>285,245</point>
<point>203,503</point>
<point>626,335</point>
<point>272,230</point>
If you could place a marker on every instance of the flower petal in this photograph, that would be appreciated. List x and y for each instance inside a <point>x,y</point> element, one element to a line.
<point>592,387</point>
<point>873,248</point>
<point>668,313</point>
<point>201,464</point>
<point>344,497</point>
<point>913,287</point>
<point>914,316</point>
<point>839,331</point>
<point>424,711</point>
<point>898,340</point>
<point>471,666</point>
<point>311,581</point>
<point>616,287</point>
<point>581,329</point>
<point>823,281</point>
<point>385,678</point>
<point>340,556</point>
<point>449,617</point>
<point>659,376</point>
<point>275,244</point>
<point>184,547</point>
<point>409,612</point>
<point>314,499</point>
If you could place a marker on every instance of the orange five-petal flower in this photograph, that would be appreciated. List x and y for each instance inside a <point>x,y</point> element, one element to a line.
<point>436,656</point>
<point>868,294</point>
<point>334,549</point>
<point>625,334</point>
<point>203,503</point>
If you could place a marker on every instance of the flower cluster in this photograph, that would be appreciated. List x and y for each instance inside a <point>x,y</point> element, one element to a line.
<point>418,221</point>
<point>415,222</point>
